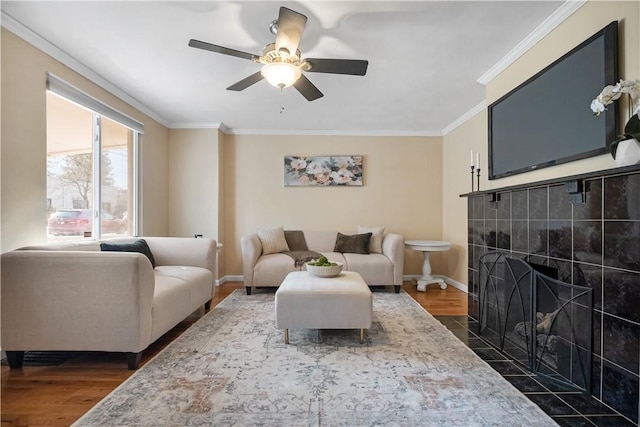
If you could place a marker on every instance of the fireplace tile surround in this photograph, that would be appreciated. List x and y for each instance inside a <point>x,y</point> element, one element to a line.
<point>593,240</point>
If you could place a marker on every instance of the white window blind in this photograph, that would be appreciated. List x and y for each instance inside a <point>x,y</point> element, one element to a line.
<point>58,86</point>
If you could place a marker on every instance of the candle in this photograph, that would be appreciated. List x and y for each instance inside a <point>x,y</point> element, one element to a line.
<point>477,160</point>
<point>471,154</point>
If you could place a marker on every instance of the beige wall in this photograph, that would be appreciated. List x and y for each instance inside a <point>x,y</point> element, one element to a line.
<point>194,182</point>
<point>457,180</point>
<point>23,149</point>
<point>402,189</point>
<point>472,135</point>
<point>221,204</point>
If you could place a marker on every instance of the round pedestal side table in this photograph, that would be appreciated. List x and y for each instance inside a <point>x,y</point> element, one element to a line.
<point>426,247</point>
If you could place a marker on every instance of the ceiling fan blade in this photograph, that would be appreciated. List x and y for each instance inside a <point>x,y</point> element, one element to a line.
<point>290,27</point>
<point>354,67</point>
<point>246,82</point>
<point>307,89</point>
<point>220,49</point>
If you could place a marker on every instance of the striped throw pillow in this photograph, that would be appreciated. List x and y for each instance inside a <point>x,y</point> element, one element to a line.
<point>273,240</point>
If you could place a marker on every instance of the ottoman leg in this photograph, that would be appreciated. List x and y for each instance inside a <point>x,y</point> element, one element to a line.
<point>286,336</point>
<point>361,336</point>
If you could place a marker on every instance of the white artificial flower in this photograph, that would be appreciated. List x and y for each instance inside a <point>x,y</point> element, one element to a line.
<point>632,87</point>
<point>597,107</point>
<point>606,97</point>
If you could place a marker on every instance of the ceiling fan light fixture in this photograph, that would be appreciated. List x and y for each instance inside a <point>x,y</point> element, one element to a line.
<point>281,74</point>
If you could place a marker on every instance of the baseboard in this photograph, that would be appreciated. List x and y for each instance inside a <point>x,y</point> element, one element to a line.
<point>406,278</point>
<point>449,281</point>
<point>232,278</point>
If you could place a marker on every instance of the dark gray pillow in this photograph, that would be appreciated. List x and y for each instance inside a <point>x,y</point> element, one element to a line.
<point>357,243</point>
<point>139,245</point>
<point>296,241</point>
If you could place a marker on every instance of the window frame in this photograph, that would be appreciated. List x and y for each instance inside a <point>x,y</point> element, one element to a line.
<point>99,109</point>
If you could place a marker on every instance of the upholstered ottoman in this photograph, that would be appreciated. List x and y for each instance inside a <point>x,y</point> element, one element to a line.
<point>304,301</point>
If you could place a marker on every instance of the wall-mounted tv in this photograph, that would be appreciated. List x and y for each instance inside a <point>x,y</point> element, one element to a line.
<point>547,121</point>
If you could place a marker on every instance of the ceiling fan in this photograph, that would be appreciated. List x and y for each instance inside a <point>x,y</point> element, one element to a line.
<point>282,64</point>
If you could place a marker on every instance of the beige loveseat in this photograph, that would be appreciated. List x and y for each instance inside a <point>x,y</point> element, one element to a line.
<point>75,297</point>
<point>377,269</point>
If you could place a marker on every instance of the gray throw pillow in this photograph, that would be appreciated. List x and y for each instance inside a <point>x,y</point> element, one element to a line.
<point>357,243</point>
<point>139,246</point>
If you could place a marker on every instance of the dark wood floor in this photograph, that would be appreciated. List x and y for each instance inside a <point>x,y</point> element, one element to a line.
<point>59,395</point>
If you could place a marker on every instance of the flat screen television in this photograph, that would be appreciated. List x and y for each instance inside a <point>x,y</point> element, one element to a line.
<point>547,120</point>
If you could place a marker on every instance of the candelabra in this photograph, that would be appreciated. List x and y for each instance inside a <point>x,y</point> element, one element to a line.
<point>472,168</point>
<point>478,178</point>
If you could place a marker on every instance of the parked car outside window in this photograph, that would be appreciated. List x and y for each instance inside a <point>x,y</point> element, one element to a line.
<point>72,222</point>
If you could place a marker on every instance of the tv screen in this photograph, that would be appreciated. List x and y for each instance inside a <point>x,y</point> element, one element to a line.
<point>547,120</point>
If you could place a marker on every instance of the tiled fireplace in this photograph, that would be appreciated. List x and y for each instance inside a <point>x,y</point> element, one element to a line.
<point>588,228</point>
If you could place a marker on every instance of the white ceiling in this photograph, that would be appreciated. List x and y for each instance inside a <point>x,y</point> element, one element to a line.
<point>425,58</point>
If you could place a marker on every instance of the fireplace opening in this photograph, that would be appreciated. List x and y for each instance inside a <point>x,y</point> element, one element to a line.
<point>536,319</point>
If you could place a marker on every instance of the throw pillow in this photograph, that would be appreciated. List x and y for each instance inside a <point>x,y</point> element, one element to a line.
<point>295,240</point>
<point>376,237</point>
<point>139,245</point>
<point>273,240</point>
<point>357,244</point>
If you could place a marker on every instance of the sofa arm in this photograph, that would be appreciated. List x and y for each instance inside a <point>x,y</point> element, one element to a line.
<point>75,301</point>
<point>251,251</point>
<point>393,248</point>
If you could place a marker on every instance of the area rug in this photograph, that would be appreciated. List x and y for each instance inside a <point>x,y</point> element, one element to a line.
<point>232,368</point>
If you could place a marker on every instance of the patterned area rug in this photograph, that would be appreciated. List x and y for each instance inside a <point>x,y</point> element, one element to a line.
<point>233,368</point>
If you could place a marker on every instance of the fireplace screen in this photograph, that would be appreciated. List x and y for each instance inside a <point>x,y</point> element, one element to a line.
<point>543,323</point>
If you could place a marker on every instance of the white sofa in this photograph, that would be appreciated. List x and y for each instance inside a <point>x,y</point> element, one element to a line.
<point>75,297</point>
<point>377,269</point>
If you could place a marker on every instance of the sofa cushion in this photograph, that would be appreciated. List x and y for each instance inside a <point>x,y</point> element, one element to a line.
<point>139,246</point>
<point>270,270</point>
<point>357,243</point>
<point>199,280</point>
<point>320,241</point>
<point>273,240</point>
<point>171,304</point>
<point>375,246</point>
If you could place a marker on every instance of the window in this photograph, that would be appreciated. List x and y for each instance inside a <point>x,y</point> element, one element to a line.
<point>91,167</point>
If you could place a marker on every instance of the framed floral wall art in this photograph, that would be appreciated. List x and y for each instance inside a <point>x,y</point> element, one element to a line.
<point>322,171</point>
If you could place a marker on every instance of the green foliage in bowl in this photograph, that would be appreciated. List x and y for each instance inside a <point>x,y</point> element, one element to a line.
<point>322,262</point>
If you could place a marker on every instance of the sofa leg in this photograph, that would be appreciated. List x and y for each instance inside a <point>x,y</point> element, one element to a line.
<point>133,360</point>
<point>15,358</point>
<point>248,290</point>
<point>397,288</point>
<point>207,306</point>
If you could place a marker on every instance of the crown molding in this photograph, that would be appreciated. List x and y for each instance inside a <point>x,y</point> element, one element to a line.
<point>299,132</point>
<point>463,118</point>
<point>33,38</point>
<point>563,12</point>
<point>328,132</point>
<point>200,125</point>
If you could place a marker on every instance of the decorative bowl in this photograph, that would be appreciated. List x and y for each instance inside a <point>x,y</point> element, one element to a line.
<point>325,271</point>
